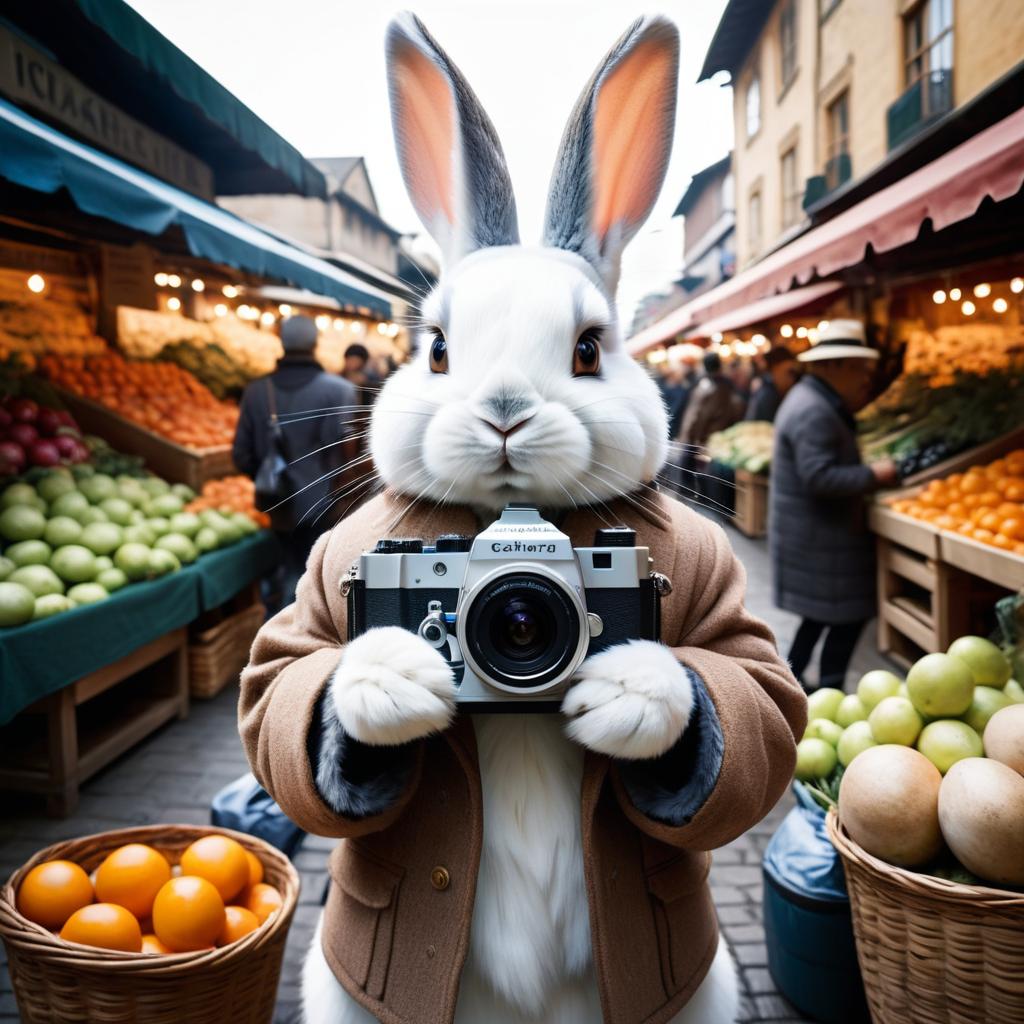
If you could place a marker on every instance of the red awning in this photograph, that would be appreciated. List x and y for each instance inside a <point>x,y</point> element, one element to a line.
<point>947,190</point>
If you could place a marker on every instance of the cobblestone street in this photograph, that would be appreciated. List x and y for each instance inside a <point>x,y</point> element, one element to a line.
<point>173,776</point>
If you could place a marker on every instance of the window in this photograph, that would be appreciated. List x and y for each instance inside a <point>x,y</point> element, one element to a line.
<point>754,227</point>
<point>787,42</point>
<point>928,46</point>
<point>791,194</point>
<point>754,105</point>
<point>837,156</point>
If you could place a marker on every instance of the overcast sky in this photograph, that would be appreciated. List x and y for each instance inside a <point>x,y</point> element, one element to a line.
<point>314,71</point>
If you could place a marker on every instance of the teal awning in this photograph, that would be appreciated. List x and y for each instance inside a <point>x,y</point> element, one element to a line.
<point>36,156</point>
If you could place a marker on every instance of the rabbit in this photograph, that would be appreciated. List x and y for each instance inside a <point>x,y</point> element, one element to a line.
<point>521,390</point>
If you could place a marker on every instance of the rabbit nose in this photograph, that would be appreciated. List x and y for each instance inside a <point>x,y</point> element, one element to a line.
<point>506,412</point>
<point>505,429</point>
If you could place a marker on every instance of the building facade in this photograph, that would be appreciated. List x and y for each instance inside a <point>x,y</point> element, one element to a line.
<point>708,207</point>
<point>825,92</point>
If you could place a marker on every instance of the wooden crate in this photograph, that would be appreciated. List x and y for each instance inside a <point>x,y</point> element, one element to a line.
<point>1003,568</point>
<point>904,531</point>
<point>166,458</point>
<point>60,741</point>
<point>751,516</point>
<point>216,656</point>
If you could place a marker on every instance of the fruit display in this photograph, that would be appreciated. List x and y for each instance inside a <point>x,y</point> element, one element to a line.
<point>159,396</point>
<point>140,901</point>
<point>919,424</point>
<point>32,325</point>
<point>986,503</point>
<point>929,771</point>
<point>35,435</point>
<point>234,493</point>
<point>976,349</point>
<point>745,445</point>
<point>73,536</point>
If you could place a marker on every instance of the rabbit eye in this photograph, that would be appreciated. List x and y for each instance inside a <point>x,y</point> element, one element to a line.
<point>439,354</point>
<point>586,360</point>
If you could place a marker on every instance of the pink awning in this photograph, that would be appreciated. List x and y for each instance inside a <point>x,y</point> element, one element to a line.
<point>947,190</point>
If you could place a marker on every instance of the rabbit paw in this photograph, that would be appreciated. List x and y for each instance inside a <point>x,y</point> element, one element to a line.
<point>632,701</point>
<point>392,687</point>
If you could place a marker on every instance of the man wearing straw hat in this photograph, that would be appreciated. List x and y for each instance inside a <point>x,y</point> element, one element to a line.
<point>823,561</point>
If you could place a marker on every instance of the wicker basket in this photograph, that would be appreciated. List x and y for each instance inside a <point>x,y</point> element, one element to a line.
<point>217,655</point>
<point>57,982</point>
<point>932,951</point>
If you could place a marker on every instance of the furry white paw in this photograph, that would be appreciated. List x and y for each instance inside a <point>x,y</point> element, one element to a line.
<point>392,687</point>
<point>631,701</point>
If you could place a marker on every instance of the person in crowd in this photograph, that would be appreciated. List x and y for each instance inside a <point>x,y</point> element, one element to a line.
<point>358,372</point>
<point>823,562</point>
<point>781,372</point>
<point>316,442</point>
<point>677,384</point>
<point>713,405</point>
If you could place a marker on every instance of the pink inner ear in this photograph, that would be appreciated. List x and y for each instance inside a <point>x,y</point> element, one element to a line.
<point>427,128</point>
<point>630,139</point>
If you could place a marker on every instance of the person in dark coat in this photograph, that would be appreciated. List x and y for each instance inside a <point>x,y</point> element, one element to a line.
<point>316,410</point>
<point>782,372</point>
<point>714,405</point>
<point>823,561</point>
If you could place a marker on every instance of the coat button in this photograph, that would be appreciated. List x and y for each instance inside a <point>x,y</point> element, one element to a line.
<point>440,879</point>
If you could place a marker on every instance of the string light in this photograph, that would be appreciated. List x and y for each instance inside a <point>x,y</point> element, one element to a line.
<point>323,322</point>
<point>160,280</point>
<point>725,350</point>
<point>198,285</point>
<point>938,297</point>
<point>284,309</point>
<point>801,332</point>
<point>229,291</point>
<point>1000,305</point>
<point>717,337</point>
<point>382,328</point>
<point>786,330</point>
<point>955,293</point>
<point>36,283</point>
<point>982,291</point>
<point>812,335</point>
<point>267,319</point>
<point>967,308</point>
<point>358,328</point>
<point>822,325</point>
<point>1017,285</point>
<point>174,280</point>
<point>174,303</point>
<point>339,324</point>
<point>220,309</point>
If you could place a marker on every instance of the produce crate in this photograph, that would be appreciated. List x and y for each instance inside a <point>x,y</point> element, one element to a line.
<point>63,739</point>
<point>751,517</point>
<point>913,534</point>
<point>1004,568</point>
<point>979,455</point>
<point>218,653</point>
<point>166,458</point>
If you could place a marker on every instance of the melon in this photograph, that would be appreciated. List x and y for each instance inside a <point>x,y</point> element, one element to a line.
<point>1004,737</point>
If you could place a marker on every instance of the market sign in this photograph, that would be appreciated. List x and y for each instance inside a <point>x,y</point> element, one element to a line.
<point>33,80</point>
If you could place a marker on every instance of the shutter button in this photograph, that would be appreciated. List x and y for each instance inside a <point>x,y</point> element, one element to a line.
<point>440,879</point>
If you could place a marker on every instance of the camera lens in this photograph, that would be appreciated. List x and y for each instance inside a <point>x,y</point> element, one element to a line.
<point>522,630</point>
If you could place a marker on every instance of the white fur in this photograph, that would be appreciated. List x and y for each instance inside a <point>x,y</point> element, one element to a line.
<point>530,956</point>
<point>630,701</point>
<point>392,687</point>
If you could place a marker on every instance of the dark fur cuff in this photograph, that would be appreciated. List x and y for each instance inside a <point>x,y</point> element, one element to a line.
<point>673,788</point>
<point>355,780</point>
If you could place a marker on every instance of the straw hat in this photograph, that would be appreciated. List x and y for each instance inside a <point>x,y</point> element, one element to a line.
<point>842,339</point>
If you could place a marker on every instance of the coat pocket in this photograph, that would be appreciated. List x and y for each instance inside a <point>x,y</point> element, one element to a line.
<point>362,907</point>
<point>675,886</point>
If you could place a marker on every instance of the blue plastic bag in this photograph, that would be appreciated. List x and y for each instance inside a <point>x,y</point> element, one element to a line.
<point>245,806</point>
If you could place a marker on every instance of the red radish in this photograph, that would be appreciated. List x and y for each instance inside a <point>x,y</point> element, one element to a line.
<point>66,418</point>
<point>67,445</point>
<point>44,453</point>
<point>24,409</point>
<point>81,453</point>
<point>24,433</point>
<point>49,422</point>
<point>12,454</point>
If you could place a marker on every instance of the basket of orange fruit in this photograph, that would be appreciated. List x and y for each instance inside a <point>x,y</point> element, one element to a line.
<point>159,924</point>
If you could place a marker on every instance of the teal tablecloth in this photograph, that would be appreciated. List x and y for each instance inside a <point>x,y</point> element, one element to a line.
<point>42,657</point>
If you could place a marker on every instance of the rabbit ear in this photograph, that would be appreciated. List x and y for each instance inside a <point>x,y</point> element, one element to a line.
<point>616,148</point>
<point>451,159</point>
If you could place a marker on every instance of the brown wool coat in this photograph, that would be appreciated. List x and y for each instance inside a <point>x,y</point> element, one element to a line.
<point>396,930</point>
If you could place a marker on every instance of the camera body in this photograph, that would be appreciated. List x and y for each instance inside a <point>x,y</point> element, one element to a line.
<point>514,610</point>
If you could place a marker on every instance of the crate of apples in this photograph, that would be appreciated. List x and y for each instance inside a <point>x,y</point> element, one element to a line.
<point>139,901</point>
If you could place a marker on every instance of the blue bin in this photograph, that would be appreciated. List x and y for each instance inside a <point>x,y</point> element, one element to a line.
<point>807,923</point>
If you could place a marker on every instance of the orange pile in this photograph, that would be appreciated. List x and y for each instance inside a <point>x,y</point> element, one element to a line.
<point>985,503</point>
<point>237,493</point>
<point>157,395</point>
<point>138,903</point>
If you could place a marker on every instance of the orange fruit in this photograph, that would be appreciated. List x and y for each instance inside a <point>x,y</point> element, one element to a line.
<point>221,861</point>
<point>255,868</point>
<point>131,877</point>
<point>264,900</point>
<point>105,925</point>
<point>51,892</point>
<point>188,914</point>
<point>957,508</point>
<point>990,521</point>
<point>985,536</point>
<point>151,944</point>
<point>1000,540</point>
<point>973,483</point>
<point>238,922</point>
<point>992,498</point>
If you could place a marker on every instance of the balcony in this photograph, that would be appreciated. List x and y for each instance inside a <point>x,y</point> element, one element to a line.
<point>924,102</point>
<point>838,171</point>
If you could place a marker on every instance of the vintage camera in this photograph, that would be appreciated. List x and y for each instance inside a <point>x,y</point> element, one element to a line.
<point>515,609</point>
